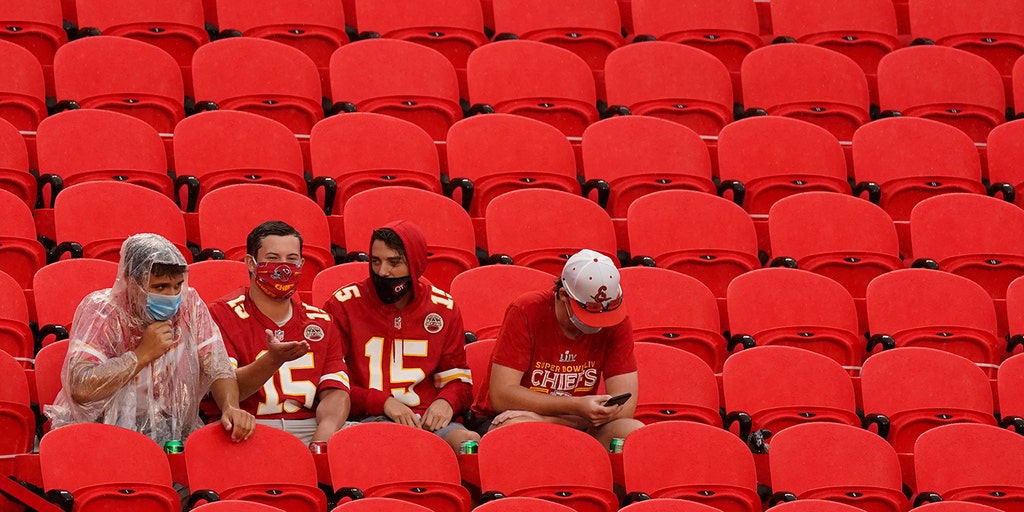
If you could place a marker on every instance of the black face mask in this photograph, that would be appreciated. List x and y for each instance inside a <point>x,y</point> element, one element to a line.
<point>391,289</point>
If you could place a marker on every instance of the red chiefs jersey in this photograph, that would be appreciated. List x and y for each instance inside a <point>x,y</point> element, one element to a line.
<point>416,354</point>
<point>532,341</point>
<point>291,393</point>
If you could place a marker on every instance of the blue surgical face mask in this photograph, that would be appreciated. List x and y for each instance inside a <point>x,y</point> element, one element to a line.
<point>162,307</point>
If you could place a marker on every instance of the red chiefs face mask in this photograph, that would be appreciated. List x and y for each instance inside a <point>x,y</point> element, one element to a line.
<point>278,279</point>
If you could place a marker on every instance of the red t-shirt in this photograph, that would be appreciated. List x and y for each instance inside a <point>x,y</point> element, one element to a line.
<point>532,341</point>
<point>416,354</point>
<point>291,392</point>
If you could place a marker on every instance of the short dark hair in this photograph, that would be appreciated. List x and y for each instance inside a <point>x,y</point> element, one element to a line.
<point>167,269</point>
<point>390,239</point>
<point>269,228</point>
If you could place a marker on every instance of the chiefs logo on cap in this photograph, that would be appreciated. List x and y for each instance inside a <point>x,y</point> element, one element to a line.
<point>601,296</point>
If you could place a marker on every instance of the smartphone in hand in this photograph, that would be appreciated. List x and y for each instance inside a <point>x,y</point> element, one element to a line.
<point>618,400</point>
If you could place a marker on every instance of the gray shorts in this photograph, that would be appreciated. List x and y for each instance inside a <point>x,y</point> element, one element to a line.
<point>441,432</point>
<point>302,429</point>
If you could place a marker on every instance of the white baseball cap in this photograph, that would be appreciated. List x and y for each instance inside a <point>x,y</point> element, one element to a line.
<point>592,281</point>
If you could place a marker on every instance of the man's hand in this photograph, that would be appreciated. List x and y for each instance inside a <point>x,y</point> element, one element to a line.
<point>240,423</point>
<point>157,340</point>
<point>592,409</point>
<point>438,415</point>
<point>501,418</point>
<point>283,351</point>
<point>400,413</point>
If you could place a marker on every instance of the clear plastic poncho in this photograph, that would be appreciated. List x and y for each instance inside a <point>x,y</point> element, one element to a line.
<point>162,400</point>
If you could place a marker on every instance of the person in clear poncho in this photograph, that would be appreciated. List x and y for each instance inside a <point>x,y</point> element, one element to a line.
<point>144,352</point>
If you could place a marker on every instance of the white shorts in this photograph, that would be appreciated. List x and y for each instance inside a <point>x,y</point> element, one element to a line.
<point>302,429</point>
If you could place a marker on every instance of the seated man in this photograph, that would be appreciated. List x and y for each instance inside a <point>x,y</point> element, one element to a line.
<point>290,359</point>
<point>406,343</point>
<point>144,352</point>
<point>555,345</point>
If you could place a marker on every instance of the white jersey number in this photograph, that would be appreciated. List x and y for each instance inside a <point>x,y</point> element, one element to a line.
<point>299,393</point>
<point>374,351</point>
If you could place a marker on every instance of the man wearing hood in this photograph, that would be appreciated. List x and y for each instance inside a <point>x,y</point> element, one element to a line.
<point>143,353</point>
<point>406,348</point>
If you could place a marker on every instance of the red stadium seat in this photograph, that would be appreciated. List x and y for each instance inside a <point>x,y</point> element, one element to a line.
<point>775,157</point>
<point>837,463</point>
<point>918,389</point>
<point>668,505</point>
<point>14,167</point>
<point>21,253</point>
<point>230,147</point>
<point>483,302</point>
<point>15,335</point>
<point>968,235</point>
<point>16,418</point>
<point>121,75</point>
<point>719,471</point>
<point>22,88</point>
<point>501,153</point>
<point>519,503</point>
<point>776,387</point>
<point>59,287</point>
<point>228,214</point>
<point>534,80</point>
<point>926,308</point>
<point>80,146</point>
<point>838,236</point>
<point>989,28</point>
<point>363,151</point>
<point>48,365</point>
<point>478,358</point>
<point>971,463</point>
<point>399,78</point>
<point>673,228</point>
<point>1010,381</point>
<point>101,477</point>
<point>911,159</point>
<point>529,226</point>
<point>865,31</point>
<point>948,85</point>
<point>637,155</point>
<point>260,76</point>
<point>671,81</point>
<point>451,243</point>
<point>809,83</point>
<point>674,386</point>
<point>315,27</point>
<point>38,27</point>
<point>453,27</point>
<point>177,28</point>
<point>214,279</point>
<point>726,29</point>
<point>289,483</point>
<point>93,219</point>
<point>236,506</point>
<point>389,460</point>
<point>379,505</point>
<point>676,310</point>
<point>589,28</point>
<point>797,308</point>
<point>509,465</point>
<point>1004,151</point>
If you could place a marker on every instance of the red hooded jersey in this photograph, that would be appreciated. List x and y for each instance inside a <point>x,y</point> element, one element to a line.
<point>416,354</point>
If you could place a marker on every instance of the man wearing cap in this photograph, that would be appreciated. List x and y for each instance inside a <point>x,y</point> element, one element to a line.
<point>555,345</point>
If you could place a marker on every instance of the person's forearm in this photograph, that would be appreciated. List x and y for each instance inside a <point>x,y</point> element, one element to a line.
<point>331,413</point>
<point>254,375</point>
<point>225,393</point>
<point>91,382</point>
